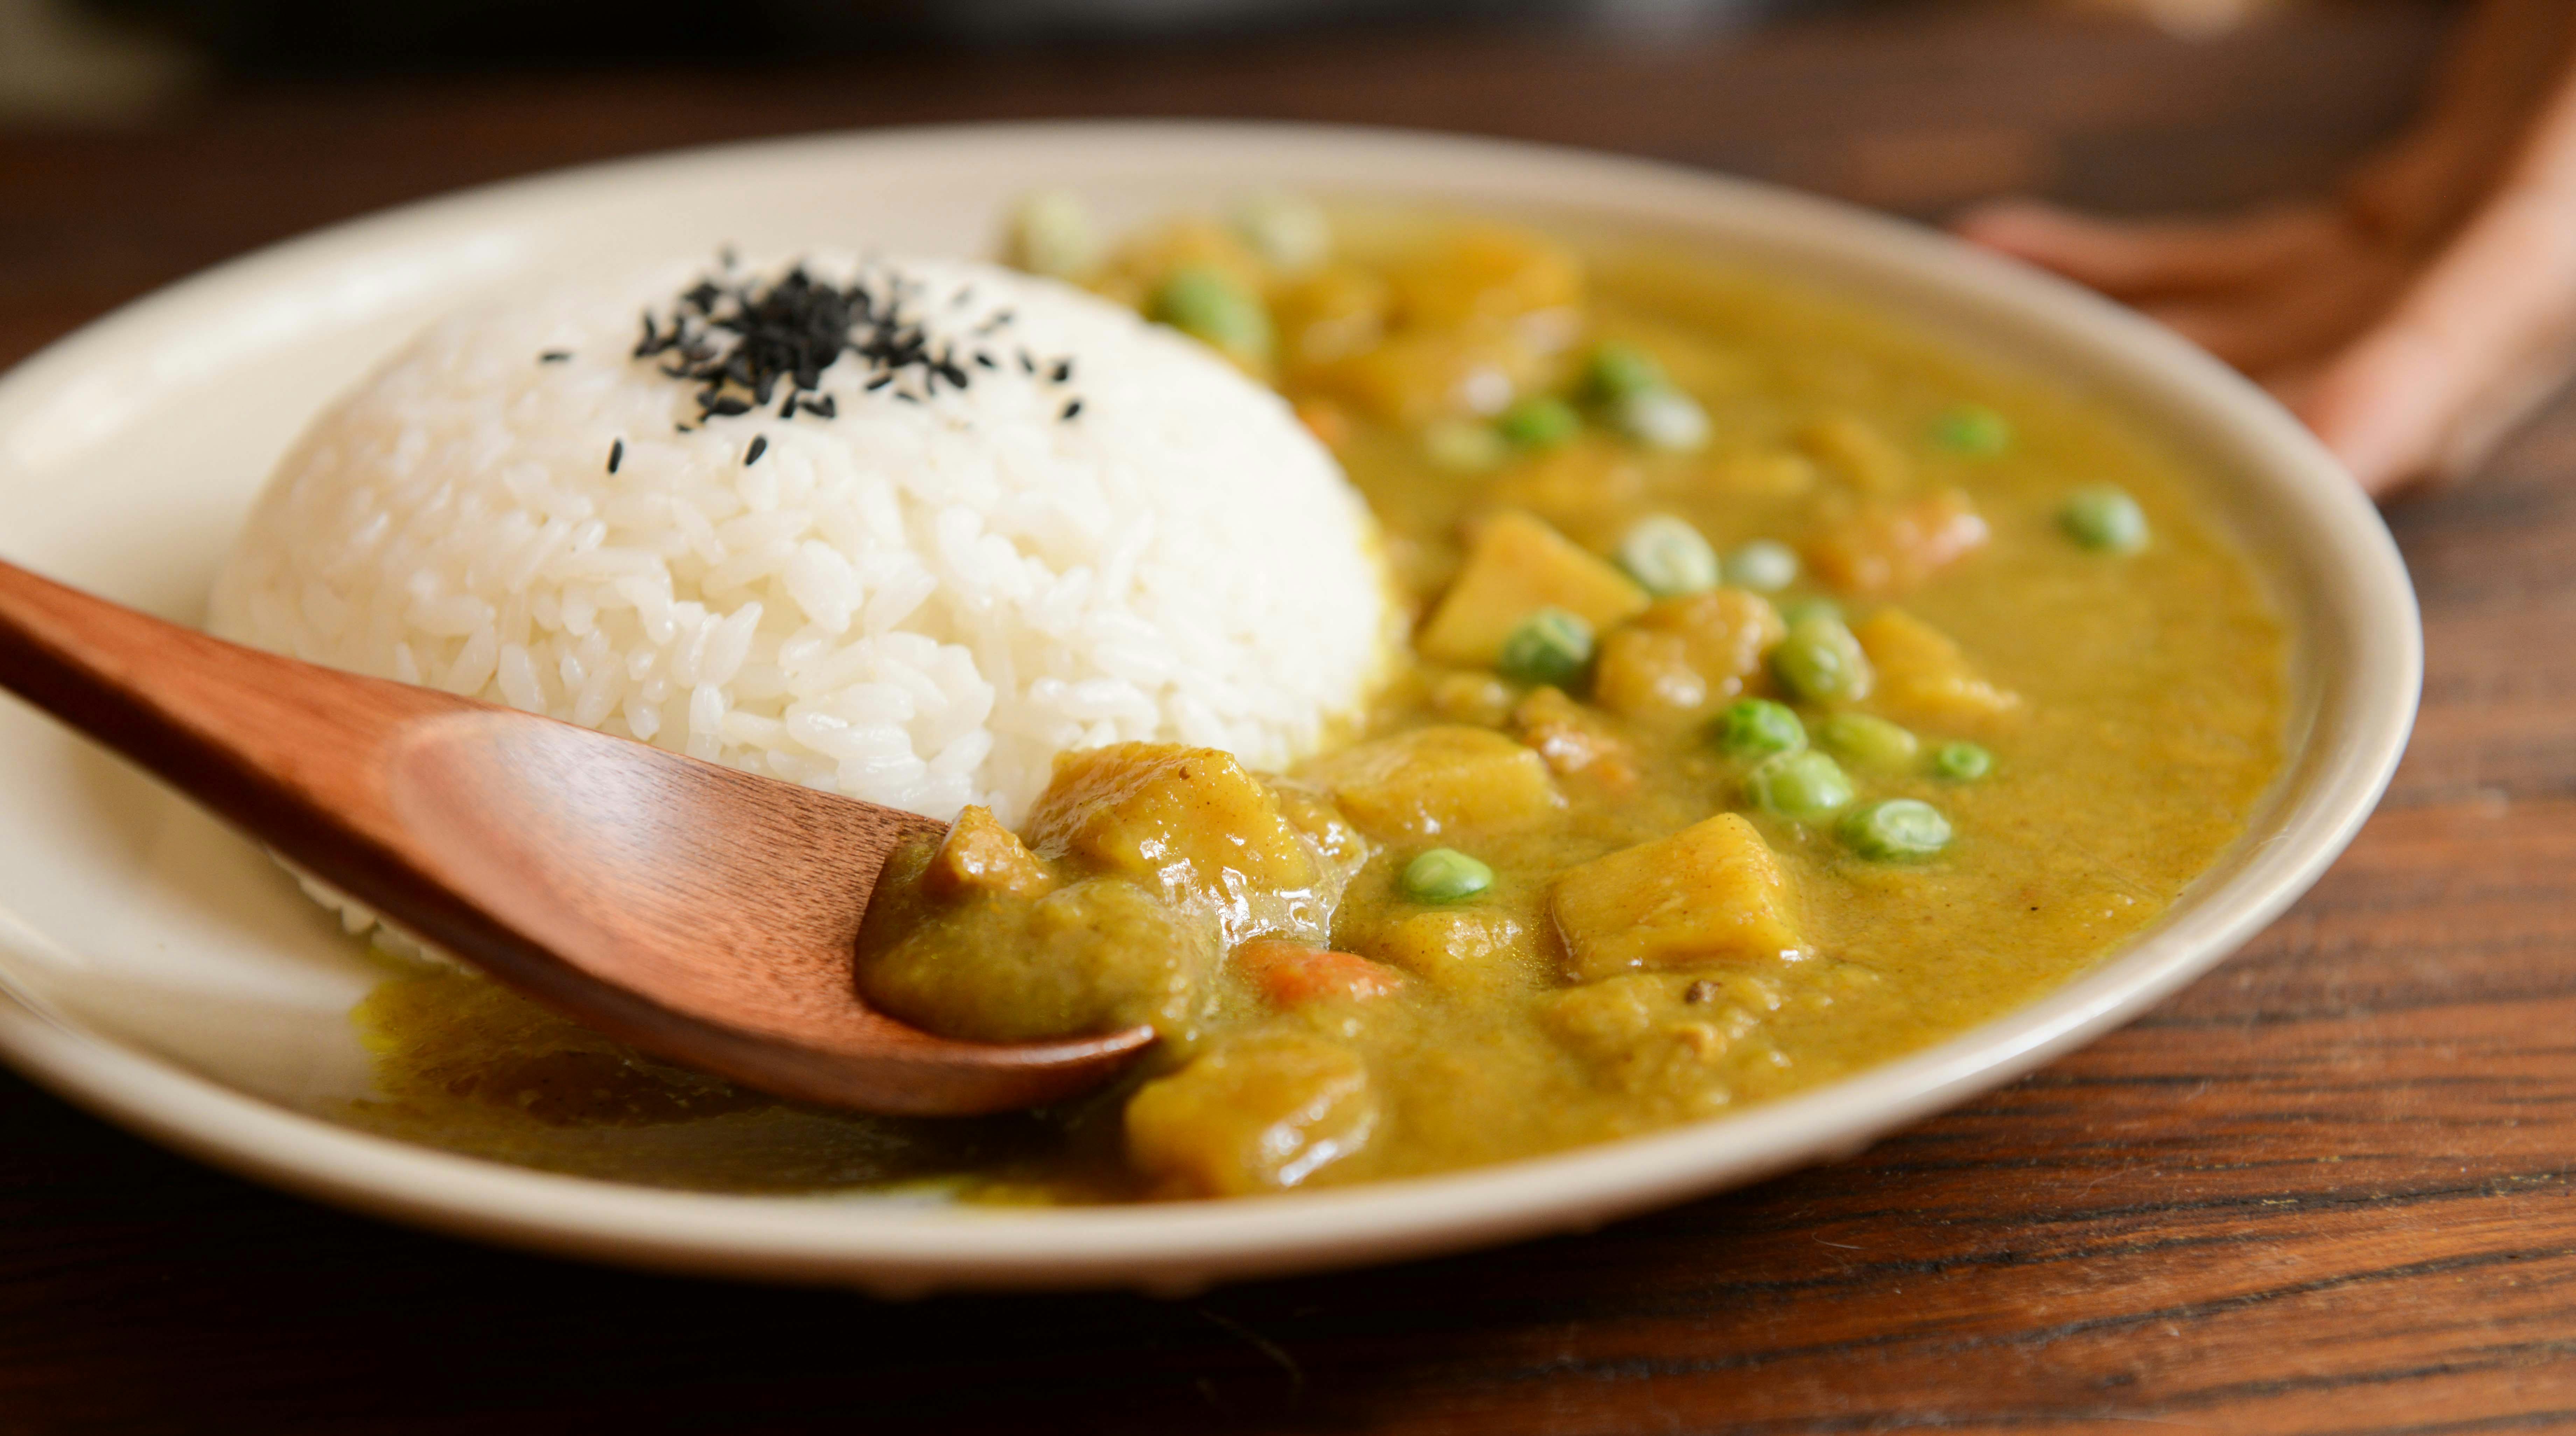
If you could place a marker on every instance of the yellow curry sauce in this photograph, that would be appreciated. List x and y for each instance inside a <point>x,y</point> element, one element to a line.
<point>1633,912</point>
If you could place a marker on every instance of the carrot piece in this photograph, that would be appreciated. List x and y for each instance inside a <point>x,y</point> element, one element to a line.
<point>1291,974</point>
<point>1325,420</point>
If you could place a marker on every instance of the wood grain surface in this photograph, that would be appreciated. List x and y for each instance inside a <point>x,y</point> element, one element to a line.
<point>2326,1189</point>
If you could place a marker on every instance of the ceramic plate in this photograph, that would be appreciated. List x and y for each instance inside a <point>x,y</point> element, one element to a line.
<point>159,971</point>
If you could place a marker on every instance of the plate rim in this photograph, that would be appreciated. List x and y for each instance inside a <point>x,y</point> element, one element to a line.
<point>1171,1248</point>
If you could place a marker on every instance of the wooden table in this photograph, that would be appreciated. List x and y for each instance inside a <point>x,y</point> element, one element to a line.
<point>2325,1189</point>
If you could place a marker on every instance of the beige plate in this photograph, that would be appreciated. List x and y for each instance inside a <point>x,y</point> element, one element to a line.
<point>165,976</point>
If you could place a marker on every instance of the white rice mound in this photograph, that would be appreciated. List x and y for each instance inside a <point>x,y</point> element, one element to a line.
<point>915,603</point>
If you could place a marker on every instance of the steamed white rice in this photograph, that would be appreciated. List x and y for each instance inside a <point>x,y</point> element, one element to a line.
<point>918,604</point>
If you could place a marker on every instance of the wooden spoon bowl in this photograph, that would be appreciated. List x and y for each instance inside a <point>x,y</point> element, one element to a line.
<point>699,913</point>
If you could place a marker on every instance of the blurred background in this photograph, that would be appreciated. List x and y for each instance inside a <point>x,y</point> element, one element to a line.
<point>141,140</point>
<point>1915,105</point>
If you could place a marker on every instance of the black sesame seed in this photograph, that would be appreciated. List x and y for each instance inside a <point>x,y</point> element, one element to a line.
<point>1071,408</point>
<point>907,398</point>
<point>616,454</point>
<point>554,356</point>
<point>759,446</point>
<point>743,341</point>
<point>1062,371</point>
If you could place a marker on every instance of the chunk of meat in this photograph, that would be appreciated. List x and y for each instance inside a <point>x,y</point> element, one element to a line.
<point>1573,740</point>
<point>1260,1114</point>
<point>1644,1033</point>
<point>1292,974</point>
<point>1187,817</point>
<point>1441,779</point>
<point>1517,566</point>
<point>1685,658</point>
<point>1711,893</point>
<point>1888,548</point>
<point>980,855</point>
<point>1923,675</point>
<point>1092,956</point>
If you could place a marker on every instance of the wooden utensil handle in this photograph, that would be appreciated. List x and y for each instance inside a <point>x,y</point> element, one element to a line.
<point>285,749</point>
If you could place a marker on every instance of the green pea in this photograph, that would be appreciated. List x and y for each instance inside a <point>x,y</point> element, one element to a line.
<point>1819,661</point>
<point>1662,419</point>
<point>1798,610</point>
<point>1206,303</point>
<point>1464,446</point>
<point>1618,369</point>
<point>1896,830</point>
<point>2101,516</point>
<point>1764,566</point>
<point>1805,785</point>
<point>1962,762</point>
<point>1551,646</point>
<point>1445,875</point>
<point>1974,430</point>
<point>1758,728</point>
<point>1872,742</point>
<point>1667,557</point>
<point>1539,423</point>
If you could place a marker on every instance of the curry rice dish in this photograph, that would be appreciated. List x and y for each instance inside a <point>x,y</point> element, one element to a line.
<point>1726,689</point>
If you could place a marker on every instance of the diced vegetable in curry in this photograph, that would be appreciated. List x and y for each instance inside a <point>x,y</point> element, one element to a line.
<point>1787,692</point>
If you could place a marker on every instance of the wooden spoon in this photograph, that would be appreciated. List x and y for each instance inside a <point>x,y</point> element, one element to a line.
<point>699,913</point>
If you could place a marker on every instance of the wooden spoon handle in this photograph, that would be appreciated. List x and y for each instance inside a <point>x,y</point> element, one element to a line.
<point>287,750</point>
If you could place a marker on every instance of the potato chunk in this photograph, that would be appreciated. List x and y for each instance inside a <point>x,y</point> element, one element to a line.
<point>1260,1114</point>
<point>1411,378</point>
<point>1333,313</point>
<point>1517,567</point>
<point>1487,271</point>
<point>1186,816</point>
<point>1922,674</point>
<point>1888,548</point>
<point>1457,949</point>
<point>1433,780</point>
<point>1685,658</point>
<point>1859,452</point>
<point>1711,893</point>
<point>980,855</point>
